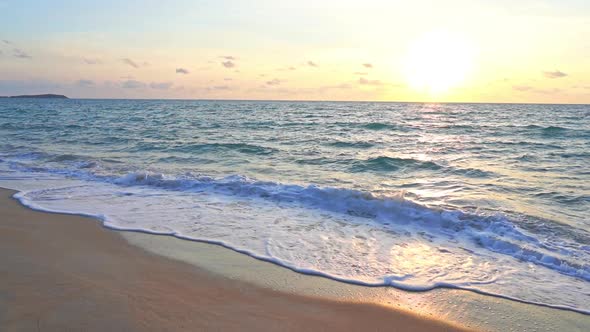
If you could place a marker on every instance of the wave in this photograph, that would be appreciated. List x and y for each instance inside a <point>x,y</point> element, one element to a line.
<point>564,198</point>
<point>352,145</point>
<point>533,145</point>
<point>552,131</point>
<point>527,157</point>
<point>67,157</point>
<point>572,155</point>
<point>238,147</point>
<point>395,164</point>
<point>23,156</point>
<point>316,161</point>
<point>473,172</point>
<point>380,164</point>
<point>393,215</point>
<point>203,148</point>
<point>382,126</point>
<point>503,236</point>
<point>390,164</point>
<point>8,126</point>
<point>187,160</point>
<point>557,131</point>
<point>389,281</point>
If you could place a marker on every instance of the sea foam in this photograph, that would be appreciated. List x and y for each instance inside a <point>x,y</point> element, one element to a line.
<point>344,234</point>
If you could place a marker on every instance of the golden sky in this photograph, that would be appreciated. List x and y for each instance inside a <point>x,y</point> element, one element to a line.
<point>458,51</point>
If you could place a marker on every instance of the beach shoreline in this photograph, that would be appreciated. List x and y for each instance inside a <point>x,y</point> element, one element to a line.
<point>68,272</point>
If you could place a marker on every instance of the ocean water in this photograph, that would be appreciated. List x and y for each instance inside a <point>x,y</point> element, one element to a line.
<point>493,198</point>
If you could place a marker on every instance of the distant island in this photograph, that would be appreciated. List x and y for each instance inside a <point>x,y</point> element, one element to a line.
<point>49,95</point>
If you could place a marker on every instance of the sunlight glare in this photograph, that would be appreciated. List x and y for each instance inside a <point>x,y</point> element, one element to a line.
<point>437,62</point>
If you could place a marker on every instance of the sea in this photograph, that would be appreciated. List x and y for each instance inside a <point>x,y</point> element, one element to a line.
<point>490,198</point>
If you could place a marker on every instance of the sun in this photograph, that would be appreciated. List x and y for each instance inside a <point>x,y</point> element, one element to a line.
<point>437,62</point>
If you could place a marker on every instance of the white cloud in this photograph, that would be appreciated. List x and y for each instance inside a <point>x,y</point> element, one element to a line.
<point>18,53</point>
<point>161,85</point>
<point>132,84</point>
<point>554,74</point>
<point>275,81</point>
<point>228,64</point>
<point>85,83</point>
<point>90,61</point>
<point>130,62</point>
<point>364,81</point>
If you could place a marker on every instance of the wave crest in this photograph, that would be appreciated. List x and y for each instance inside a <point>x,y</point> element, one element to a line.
<point>390,164</point>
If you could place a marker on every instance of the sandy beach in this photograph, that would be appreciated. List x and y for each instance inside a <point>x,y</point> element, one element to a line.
<point>63,272</point>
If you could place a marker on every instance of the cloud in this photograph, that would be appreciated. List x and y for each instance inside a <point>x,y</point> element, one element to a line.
<point>303,91</point>
<point>89,61</point>
<point>368,65</point>
<point>7,42</point>
<point>364,81</point>
<point>130,62</point>
<point>337,86</point>
<point>182,71</point>
<point>18,53</point>
<point>547,91</point>
<point>290,68</point>
<point>528,88</point>
<point>312,64</point>
<point>228,64</point>
<point>161,85</point>
<point>275,81</point>
<point>360,73</point>
<point>220,87</point>
<point>522,88</point>
<point>228,79</point>
<point>228,57</point>
<point>554,74</point>
<point>132,84</point>
<point>85,83</point>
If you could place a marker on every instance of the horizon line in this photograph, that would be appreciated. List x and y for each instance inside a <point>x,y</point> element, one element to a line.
<point>340,101</point>
<point>319,100</point>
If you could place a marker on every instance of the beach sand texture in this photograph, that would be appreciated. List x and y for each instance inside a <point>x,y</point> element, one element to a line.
<point>63,272</point>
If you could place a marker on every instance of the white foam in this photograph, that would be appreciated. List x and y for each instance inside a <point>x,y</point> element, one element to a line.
<point>342,234</point>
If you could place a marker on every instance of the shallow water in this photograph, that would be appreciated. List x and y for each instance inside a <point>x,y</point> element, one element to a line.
<point>490,198</point>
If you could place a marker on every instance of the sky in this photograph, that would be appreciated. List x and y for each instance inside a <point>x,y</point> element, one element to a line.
<point>422,50</point>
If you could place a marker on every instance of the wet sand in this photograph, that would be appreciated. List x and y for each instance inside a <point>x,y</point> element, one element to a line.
<point>62,272</point>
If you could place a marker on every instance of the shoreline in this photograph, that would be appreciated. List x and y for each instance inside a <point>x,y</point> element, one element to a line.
<point>68,272</point>
<point>452,308</point>
<point>126,233</point>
